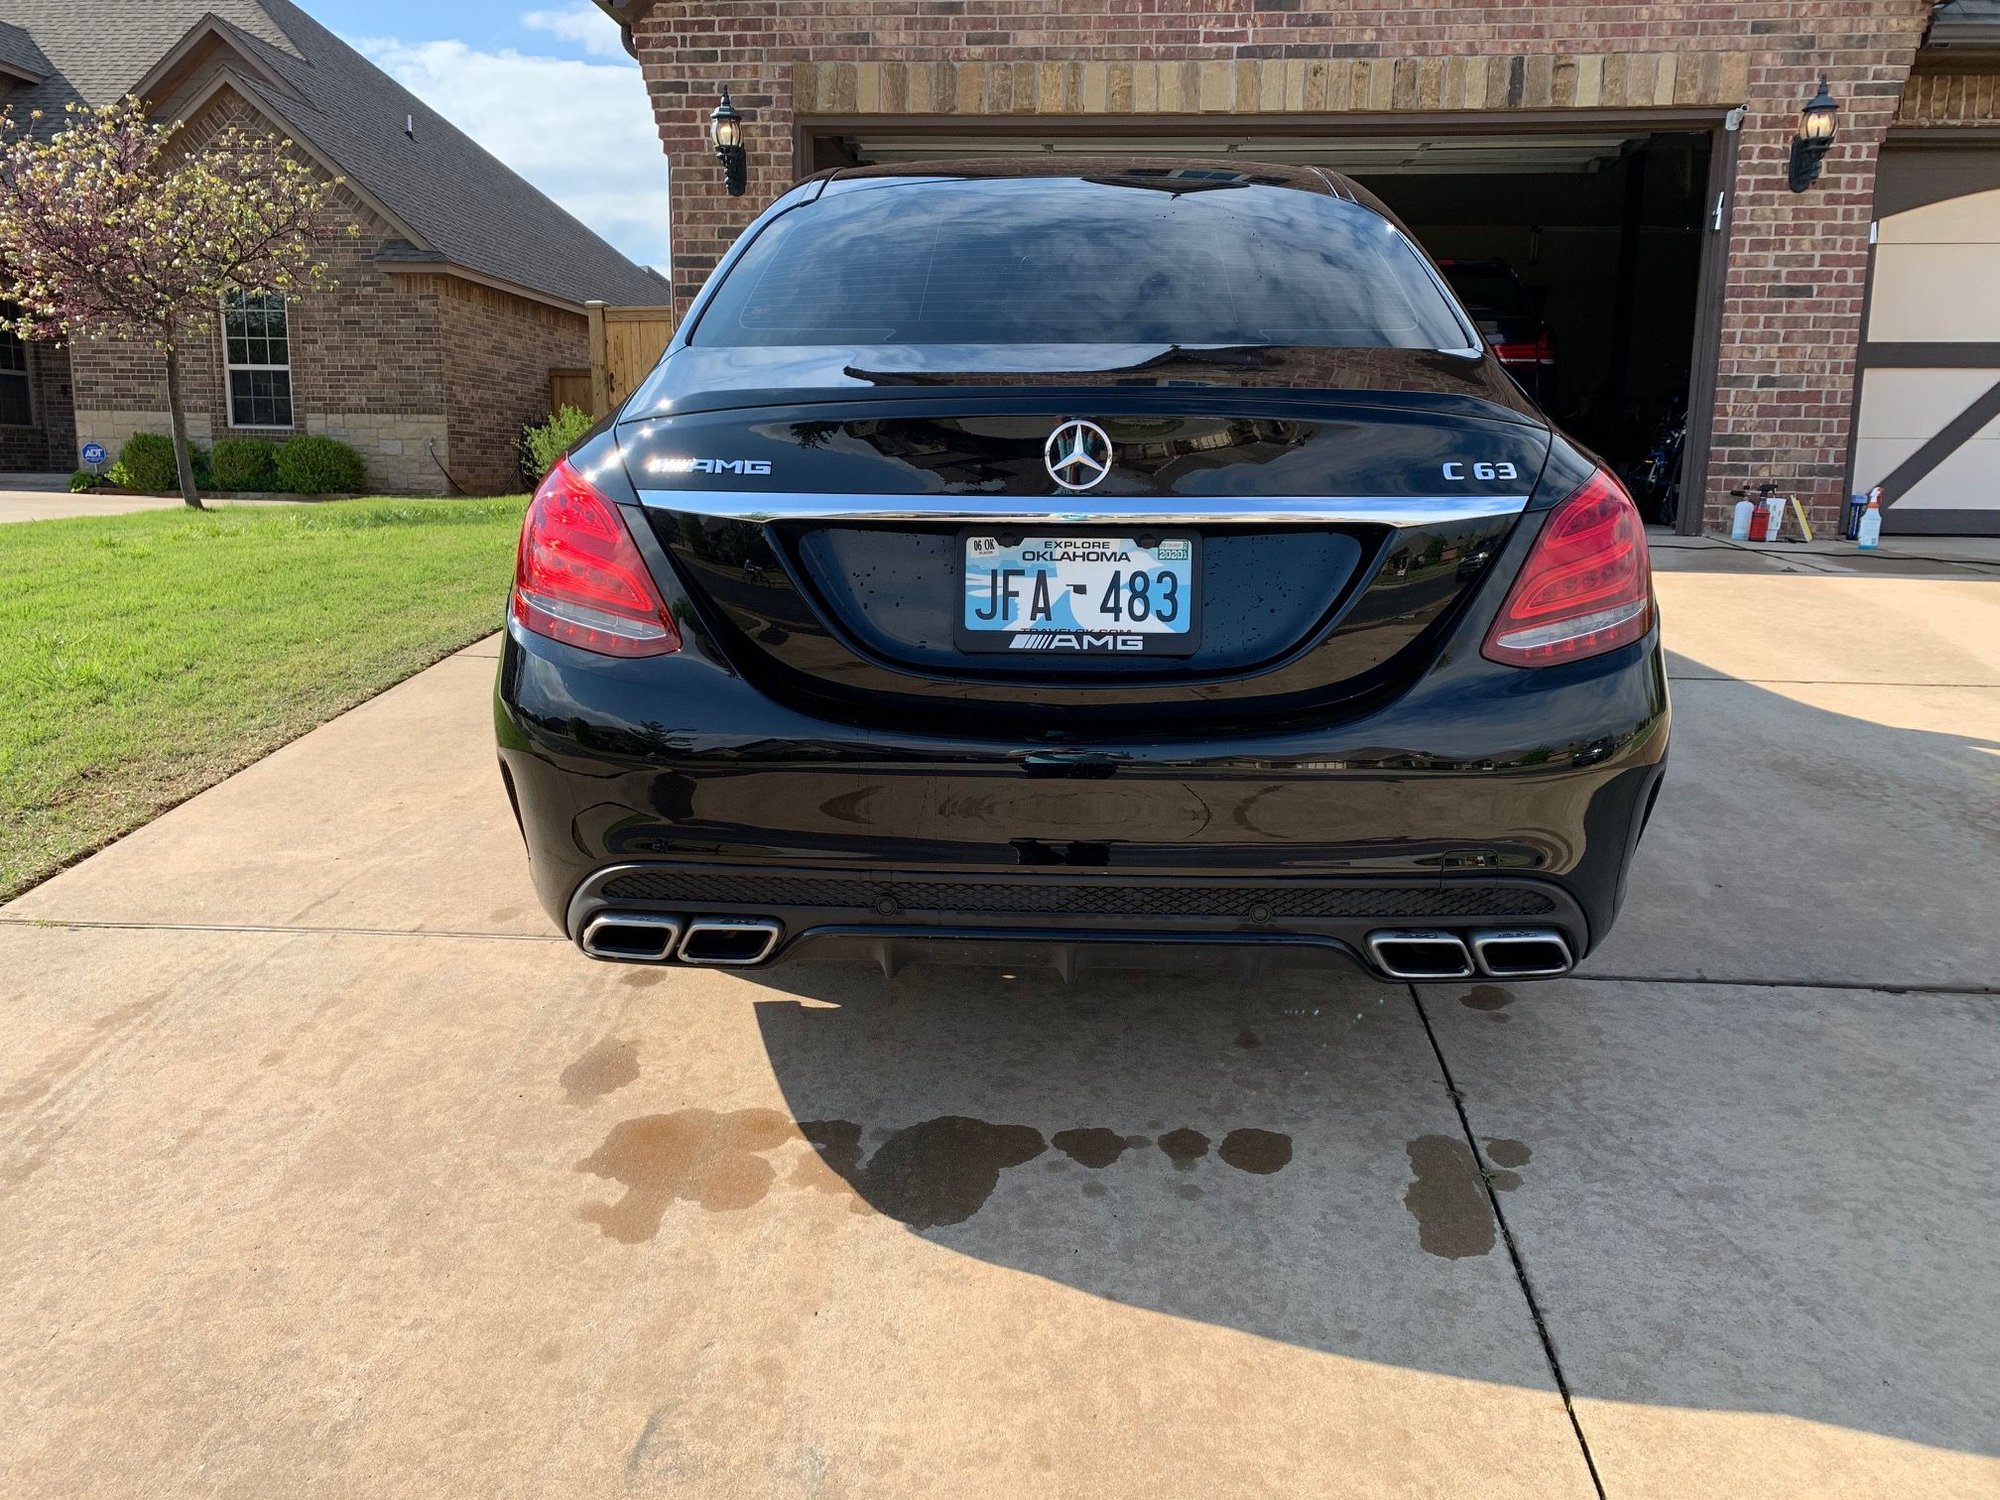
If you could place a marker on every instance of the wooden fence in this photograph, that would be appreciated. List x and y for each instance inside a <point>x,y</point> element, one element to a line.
<point>625,344</point>
<point>569,387</point>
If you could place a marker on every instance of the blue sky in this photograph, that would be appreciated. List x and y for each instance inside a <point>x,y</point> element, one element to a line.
<point>543,85</point>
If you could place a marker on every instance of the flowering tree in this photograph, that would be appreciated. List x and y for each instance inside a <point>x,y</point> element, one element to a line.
<point>110,228</point>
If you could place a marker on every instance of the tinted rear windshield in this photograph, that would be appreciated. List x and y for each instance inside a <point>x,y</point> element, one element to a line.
<point>1081,261</point>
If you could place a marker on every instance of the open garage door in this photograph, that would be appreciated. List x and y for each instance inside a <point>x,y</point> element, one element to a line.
<point>1580,249</point>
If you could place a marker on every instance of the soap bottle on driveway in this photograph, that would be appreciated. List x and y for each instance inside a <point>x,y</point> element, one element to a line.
<point>1869,536</point>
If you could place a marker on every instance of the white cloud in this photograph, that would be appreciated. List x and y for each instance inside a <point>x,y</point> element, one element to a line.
<point>582,132</point>
<point>581,23</point>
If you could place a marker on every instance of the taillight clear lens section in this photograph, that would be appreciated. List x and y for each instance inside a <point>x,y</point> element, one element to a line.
<point>1586,587</point>
<point>579,578</point>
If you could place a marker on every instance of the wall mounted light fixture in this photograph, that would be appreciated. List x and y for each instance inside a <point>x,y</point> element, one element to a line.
<point>1814,138</point>
<point>725,131</point>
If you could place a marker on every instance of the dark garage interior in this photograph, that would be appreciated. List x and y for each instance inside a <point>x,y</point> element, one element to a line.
<point>1601,229</point>
<point>1604,235</point>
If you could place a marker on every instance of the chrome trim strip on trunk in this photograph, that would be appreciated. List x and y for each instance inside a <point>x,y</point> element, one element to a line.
<point>1422,510</point>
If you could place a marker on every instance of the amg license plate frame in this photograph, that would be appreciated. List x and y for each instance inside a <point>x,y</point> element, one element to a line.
<point>1079,592</point>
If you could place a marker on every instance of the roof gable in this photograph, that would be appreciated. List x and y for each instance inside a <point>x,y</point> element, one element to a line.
<point>20,58</point>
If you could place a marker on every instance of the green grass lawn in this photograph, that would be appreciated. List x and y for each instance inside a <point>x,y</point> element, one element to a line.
<point>147,656</point>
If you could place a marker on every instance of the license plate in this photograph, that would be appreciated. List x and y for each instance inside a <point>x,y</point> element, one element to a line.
<point>1072,593</point>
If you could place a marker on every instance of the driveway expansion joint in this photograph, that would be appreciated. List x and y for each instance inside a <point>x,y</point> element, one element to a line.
<point>278,929</point>
<point>1878,987</point>
<point>1527,1286</point>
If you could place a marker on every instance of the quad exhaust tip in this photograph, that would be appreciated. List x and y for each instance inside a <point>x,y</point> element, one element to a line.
<point>632,937</point>
<point>729,942</point>
<point>645,937</point>
<point>1421,955</point>
<point>1504,953</point>
<point>1524,953</point>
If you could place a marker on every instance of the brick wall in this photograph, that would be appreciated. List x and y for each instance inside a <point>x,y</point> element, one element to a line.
<point>1797,263</point>
<point>50,444</point>
<point>498,350</point>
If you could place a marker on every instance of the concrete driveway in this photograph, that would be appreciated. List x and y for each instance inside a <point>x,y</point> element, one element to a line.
<point>328,1170</point>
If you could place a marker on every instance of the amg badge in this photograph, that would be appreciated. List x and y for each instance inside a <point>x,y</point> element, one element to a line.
<point>1055,640</point>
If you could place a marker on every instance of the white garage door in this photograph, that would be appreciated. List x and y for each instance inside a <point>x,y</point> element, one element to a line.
<point>1928,429</point>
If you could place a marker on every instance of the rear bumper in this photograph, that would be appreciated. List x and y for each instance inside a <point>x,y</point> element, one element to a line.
<point>1064,920</point>
<point>1481,800</point>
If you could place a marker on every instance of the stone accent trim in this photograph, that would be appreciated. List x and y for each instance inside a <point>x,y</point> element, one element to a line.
<point>1295,85</point>
<point>1950,99</point>
<point>113,428</point>
<point>393,446</point>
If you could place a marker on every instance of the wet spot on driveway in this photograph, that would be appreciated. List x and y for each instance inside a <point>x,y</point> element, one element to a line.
<point>1486,997</point>
<point>604,1069</point>
<point>1447,1198</point>
<point>1248,1038</point>
<point>1260,1151</point>
<point>692,1155</point>
<point>943,1171</point>
<point>1184,1147</point>
<point>1095,1148</point>
<point>1506,1152</point>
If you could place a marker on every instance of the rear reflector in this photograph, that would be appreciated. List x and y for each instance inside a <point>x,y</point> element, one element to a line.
<point>579,578</point>
<point>1586,587</point>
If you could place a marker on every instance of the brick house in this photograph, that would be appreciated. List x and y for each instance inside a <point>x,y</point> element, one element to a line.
<point>464,288</point>
<point>1628,162</point>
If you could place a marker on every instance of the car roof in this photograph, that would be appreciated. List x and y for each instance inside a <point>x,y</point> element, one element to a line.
<point>1127,170</point>
<point>1194,169</point>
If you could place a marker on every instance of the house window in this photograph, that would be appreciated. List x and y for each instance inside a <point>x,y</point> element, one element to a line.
<point>257,353</point>
<point>17,406</point>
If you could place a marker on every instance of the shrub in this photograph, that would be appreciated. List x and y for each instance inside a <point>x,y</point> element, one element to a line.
<point>86,479</point>
<point>310,465</point>
<point>146,463</point>
<point>542,444</point>
<point>246,463</point>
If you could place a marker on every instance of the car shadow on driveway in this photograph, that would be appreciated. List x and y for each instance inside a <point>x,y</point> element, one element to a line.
<point>1741,1169</point>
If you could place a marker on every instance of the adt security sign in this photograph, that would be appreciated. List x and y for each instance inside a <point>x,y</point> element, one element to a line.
<point>93,454</point>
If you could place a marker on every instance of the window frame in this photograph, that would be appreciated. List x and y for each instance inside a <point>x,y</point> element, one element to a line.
<point>26,375</point>
<point>230,367</point>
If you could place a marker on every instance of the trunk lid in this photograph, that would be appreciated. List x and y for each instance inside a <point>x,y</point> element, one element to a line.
<point>818,506</point>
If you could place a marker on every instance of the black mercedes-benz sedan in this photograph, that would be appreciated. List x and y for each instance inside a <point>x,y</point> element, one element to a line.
<point>1082,562</point>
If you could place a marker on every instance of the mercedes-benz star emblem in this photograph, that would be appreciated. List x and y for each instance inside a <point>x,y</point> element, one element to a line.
<point>1078,455</point>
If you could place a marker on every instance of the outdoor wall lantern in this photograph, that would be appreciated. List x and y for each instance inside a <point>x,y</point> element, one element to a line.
<point>725,129</point>
<point>1814,138</point>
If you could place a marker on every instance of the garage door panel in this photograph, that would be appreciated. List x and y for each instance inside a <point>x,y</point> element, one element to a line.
<point>1936,294</point>
<point>1971,220</point>
<point>1963,482</point>
<point>1875,459</point>
<point>1909,406</point>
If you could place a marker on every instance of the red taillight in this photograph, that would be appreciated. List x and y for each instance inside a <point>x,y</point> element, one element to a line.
<point>1540,350</point>
<point>1586,587</point>
<point>579,578</point>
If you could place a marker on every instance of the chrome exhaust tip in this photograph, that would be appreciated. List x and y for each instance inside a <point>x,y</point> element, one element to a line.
<point>729,942</point>
<point>631,937</point>
<point>1522,953</point>
<point>1420,955</point>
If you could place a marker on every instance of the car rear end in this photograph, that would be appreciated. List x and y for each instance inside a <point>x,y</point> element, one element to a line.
<point>1040,568</point>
